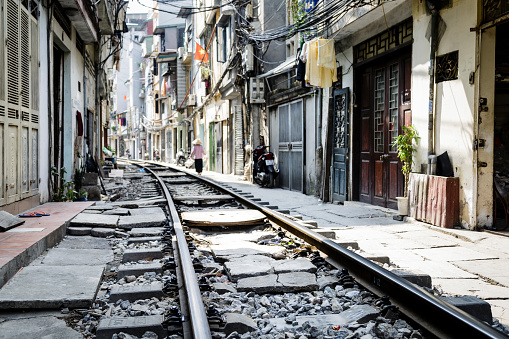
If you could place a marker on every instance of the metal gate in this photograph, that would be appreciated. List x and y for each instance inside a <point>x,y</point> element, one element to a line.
<point>290,145</point>
<point>19,101</point>
<point>219,147</point>
<point>340,145</point>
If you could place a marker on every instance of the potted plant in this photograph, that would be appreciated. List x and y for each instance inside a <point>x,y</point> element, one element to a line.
<point>406,146</point>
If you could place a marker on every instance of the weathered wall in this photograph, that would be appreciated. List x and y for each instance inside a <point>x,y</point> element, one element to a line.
<point>454,105</point>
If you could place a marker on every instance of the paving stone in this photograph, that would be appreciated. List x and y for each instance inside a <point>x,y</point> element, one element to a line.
<point>139,240</point>
<point>119,234</point>
<point>138,269</point>
<point>8,221</point>
<point>100,207</point>
<point>327,234</point>
<point>240,269</point>
<point>453,254</point>
<point>474,287</point>
<point>52,287</point>
<point>136,221</point>
<point>95,220</point>
<point>146,232</point>
<point>357,313</point>
<point>92,212</point>
<point>117,211</point>
<point>473,306</point>
<point>327,280</point>
<point>154,210</point>
<point>418,278</point>
<point>75,256</point>
<point>37,326</point>
<point>136,292</point>
<point>279,283</point>
<point>79,230</point>
<point>228,251</point>
<point>102,232</point>
<point>295,265</point>
<point>238,323</point>
<point>222,288</point>
<point>84,243</point>
<point>141,254</point>
<point>136,326</point>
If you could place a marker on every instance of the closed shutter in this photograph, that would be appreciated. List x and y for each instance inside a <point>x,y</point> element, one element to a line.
<point>239,147</point>
<point>19,100</point>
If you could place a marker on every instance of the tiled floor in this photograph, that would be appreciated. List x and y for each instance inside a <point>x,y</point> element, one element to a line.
<point>27,241</point>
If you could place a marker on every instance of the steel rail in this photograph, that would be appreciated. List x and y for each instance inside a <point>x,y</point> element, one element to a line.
<point>199,322</point>
<point>433,314</point>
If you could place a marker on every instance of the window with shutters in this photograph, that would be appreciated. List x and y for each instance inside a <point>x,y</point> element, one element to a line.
<point>19,99</point>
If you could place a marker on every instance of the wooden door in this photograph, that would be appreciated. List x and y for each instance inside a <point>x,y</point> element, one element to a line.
<point>340,145</point>
<point>219,147</point>
<point>383,89</point>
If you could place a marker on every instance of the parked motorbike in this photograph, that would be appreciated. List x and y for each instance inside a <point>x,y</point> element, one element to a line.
<point>181,157</point>
<point>264,169</point>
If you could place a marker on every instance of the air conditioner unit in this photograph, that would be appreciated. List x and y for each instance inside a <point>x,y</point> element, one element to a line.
<point>191,100</point>
<point>249,11</point>
<point>181,51</point>
<point>256,90</point>
<point>247,58</point>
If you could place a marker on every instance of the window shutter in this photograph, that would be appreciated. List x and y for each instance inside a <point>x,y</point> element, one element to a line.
<point>34,67</point>
<point>12,52</point>
<point>2,51</point>
<point>25,57</point>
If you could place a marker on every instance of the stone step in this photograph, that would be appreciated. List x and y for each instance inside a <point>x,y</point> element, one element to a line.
<point>136,326</point>
<point>141,254</point>
<point>138,269</point>
<point>136,292</point>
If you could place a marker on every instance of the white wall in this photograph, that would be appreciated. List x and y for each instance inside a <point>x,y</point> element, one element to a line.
<point>44,146</point>
<point>454,107</point>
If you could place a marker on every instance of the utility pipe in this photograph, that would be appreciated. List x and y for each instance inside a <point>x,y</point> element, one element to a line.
<point>431,119</point>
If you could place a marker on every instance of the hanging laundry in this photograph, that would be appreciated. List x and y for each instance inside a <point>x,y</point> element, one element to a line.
<point>326,53</point>
<point>321,63</point>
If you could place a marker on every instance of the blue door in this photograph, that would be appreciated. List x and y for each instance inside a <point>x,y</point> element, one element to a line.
<point>340,145</point>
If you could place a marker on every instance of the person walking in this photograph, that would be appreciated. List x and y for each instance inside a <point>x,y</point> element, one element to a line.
<point>198,155</point>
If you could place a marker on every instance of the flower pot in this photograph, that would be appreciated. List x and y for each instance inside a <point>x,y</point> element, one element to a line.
<point>402,205</point>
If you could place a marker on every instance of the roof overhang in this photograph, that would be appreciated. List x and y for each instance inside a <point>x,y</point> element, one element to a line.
<point>167,56</point>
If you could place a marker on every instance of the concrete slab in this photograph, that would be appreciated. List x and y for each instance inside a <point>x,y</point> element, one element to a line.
<point>37,327</point>
<point>357,313</point>
<point>487,268</point>
<point>74,256</point>
<point>136,326</point>
<point>222,288</point>
<point>100,207</point>
<point>136,221</point>
<point>138,269</point>
<point>242,269</point>
<point>26,230</point>
<point>136,292</point>
<point>95,220</point>
<point>227,251</point>
<point>146,232</point>
<point>80,231</point>
<point>473,287</point>
<point>139,240</point>
<point>117,211</point>
<point>52,287</point>
<point>141,254</point>
<point>296,265</point>
<point>238,323</point>
<point>279,283</point>
<point>84,242</point>
<point>101,232</point>
<point>418,278</point>
<point>437,269</point>
<point>8,221</point>
<point>147,210</point>
<point>453,254</point>
<point>473,306</point>
<point>500,310</point>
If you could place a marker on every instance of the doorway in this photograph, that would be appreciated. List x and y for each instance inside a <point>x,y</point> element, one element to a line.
<point>291,169</point>
<point>383,93</point>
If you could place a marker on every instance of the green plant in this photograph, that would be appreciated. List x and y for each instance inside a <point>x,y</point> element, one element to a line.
<point>405,147</point>
<point>297,12</point>
<point>61,186</point>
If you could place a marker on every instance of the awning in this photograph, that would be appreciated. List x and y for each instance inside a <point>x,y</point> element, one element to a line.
<point>282,68</point>
<point>167,56</point>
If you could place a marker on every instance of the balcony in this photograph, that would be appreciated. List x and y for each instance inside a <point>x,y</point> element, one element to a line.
<point>107,18</point>
<point>84,18</point>
<point>146,47</point>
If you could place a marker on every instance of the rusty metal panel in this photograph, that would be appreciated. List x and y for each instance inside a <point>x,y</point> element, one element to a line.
<point>434,199</point>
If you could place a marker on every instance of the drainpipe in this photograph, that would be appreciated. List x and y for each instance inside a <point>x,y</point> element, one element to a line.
<point>432,158</point>
<point>48,53</point>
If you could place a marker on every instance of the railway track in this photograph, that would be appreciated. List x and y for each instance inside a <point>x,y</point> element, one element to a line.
<point>196,259</point>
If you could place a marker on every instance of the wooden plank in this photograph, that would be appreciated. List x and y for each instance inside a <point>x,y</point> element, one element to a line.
<point>204,197</point>
<point>223,217</point>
